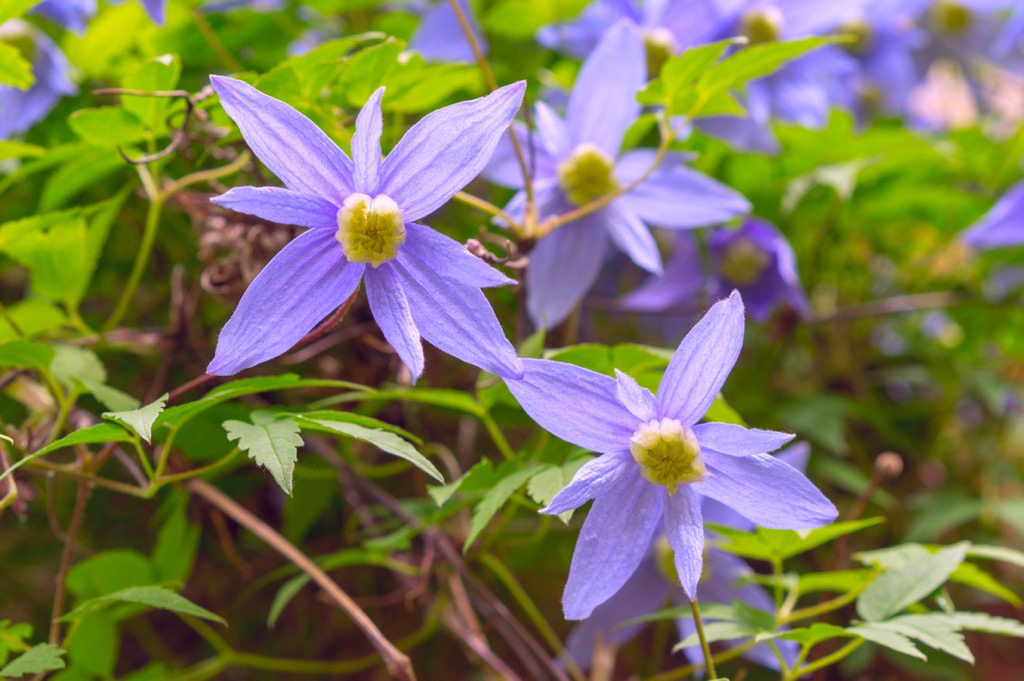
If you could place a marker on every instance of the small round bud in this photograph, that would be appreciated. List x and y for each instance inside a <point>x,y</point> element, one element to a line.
<point>668,454</point>
<point>951,17</point>
<point>862,35</point>
<point>587,175</point>
<point>370,230</point>
<point>889,466</point>
<point>762,25</point>
<point>742,262</point>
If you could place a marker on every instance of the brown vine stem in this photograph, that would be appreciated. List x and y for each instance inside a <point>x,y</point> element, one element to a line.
<point>77,515</point>
<point>397,662</point>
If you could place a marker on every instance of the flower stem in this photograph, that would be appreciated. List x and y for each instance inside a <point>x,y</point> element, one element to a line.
<point>826,661</point>
<point>709,660</point>
<point>141,260</point>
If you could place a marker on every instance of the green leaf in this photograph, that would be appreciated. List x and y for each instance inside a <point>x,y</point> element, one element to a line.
<point>717,631</point>
<point>674,87</point>
<point>12,9</point>
<point>101,432</point>
<point>36,660</point>
<point>273,442</point>
<point>13,639</point>
<point>764,544</point>
<point>14,149</point>
<point>107,126</point>
<point>175,549</point>
<point>154,596</point>
<point>383,440</point>
<point>1001,553</point>
<point>81,368</point>
<point>359,420</point>
<point>493,500</point>
<point>549,481</point>
<point>758,61</point>
<point>814,634</point>
<point>33,317</point>
<point>935,630</point>
<point>140,421</point>
<point>58,259</point>
<point>160,73</point>
<point>15,70</point>
<point>363,72</point>
<point>24,354</point>
<point>905,581</point>
<point>877,632</point>
<point>983,622</point>
<point>970,574</point>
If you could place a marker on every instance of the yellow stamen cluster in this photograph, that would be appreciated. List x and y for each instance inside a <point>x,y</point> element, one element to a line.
<point>370,229</point>
<point>860,31</point>
<point>951,17</point>
<point>587,175</point>
<point>660,46</point>
<point>742,262</point>
<point>762,25</point>
<point>668,454</point>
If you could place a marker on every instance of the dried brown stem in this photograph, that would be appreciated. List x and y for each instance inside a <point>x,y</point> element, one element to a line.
<point>77,516</point>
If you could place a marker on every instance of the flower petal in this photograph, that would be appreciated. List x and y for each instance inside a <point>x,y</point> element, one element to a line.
<point>391,311</point>
<point>634,397</point>
<point>156,9</point>
<point>304,283</point>
<point>766,491</point>
<point>1002,225</point>
<point>632,236</point>
<point>739,441</point>
<point>454,317</point>
<point>684,529</point>
<point>591,481</point>
<point>603,100</point>
<point>575,404</point>
<point>294,149</point>
<point>563,267</point>
<point>554,134</point>
<point>612,542</point>
<point>446,149</point>
<point>450,258</point>
<point>366,156</point>
<point>682,280</point>
<point>702,362</point>
<point>281,205</point>
<point>796,455</point>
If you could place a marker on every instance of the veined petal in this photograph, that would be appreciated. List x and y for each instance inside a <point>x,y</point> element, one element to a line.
<point>554,134</point>
<point>449,258</point>
<point>304,283</point>
<point>281,205</point>
<point>366,156</point>
<point>702,362</point>
<point>632,236</point>
<point>592,480</point>
<point>391,311</point>
<point>796,455</point>
<point>612,542</point>
<point>446,149</point>
<point>603,100</point>
<point>575,404</point>
<point>739,441</point>
<point>684,529</point>
<point>290,144</point>
<point>634,397</point>
<point>454,317</point>
<point>766,491</point>
<point>563,267</point>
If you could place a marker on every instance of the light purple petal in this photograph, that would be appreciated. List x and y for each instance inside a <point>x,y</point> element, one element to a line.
<point>634,397</point>
<point>563,267</point>
<point>702,362</point>
<point>575,404</point>
<point>592,480</point>
<point>796,455</point>
<point>446,149</point>
<point>632,236</point>
<point>766,491</point>
<point>675,196</point>
<point>391,311</point>
<point>684,529</point>
<point>1003,225</point>
<point>439,37</point>
<point>366,156</point>
<point>156,9</point>
<point>682,281</point>
<point>304,283</point>
<point>552,131</point>
<point>739,441</point>
<point>450,258</point>
<point>603,101</point>
<point>281,205</point>
<point>612,542</point>
<point>454,317</point>
<point>294,149</point>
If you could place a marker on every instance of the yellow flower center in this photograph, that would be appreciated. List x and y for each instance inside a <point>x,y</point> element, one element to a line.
<point>951,17</point>
<point>587,175</point>
<point>370,229</point>
<point>860,31</point>
<point>668,454</point>
<point>660,46</point>
<point>16,33</point>
<point>762,25</point>
<point>742,262</point>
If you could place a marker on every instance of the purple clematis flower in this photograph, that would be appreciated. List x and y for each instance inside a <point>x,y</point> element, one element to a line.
<point>755,259</point>
<point>1002,226</point>
<point>71,14</point>
<point>654,583</point>
<point>362,215</point>
<point>577,160</point>
<point>439,37</point>
<point>21,109</point>
<point>658,462</point>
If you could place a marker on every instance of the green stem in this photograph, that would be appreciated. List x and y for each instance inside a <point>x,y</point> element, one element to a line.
<point>777,587</point>
<point>178,477</point>
<point>709,659</point>
<point>826,606</point>
<point>141,261</point>
<point>5,313</point>
<point>826,661</point>
<point>146,465</point>
<point>496,435</point>
<point>688,670</point>
<point>215,43</point>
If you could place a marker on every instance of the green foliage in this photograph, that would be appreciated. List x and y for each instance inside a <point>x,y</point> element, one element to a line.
<point>139,421</point>
<point>271,442</point>
<point>36,660</point>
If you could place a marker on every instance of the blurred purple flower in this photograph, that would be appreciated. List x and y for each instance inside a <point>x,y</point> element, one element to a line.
<point>1002,226</point>
<point>658,462</point>
<point>577,160</point>
<point>439,37</point>
<point>71,14</point>
<point>362,216</point>
<point>21,109</point>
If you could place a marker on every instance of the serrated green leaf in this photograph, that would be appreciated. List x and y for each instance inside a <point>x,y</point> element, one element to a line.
<point>58,259</point>
<point>13,639</point>
<point>758,61</point>
<point>920,573</point>
<point>935,630</point>
<point>15,70</point>
<point>989,624</point>
<point>140,421</point>
<point>271,441</point>
<point>154,596</point>
<point>547,482</point>
<point>877,632</point>
<point>36,660</point>
<point>99,433</point>
<point>360,420</point>
<point>493,500</point>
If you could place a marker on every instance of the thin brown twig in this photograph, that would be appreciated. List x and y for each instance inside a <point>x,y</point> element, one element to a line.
<point>77,516</point>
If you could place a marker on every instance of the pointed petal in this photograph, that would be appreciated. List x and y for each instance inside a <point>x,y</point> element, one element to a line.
<point>446,149</point>
<point>592,480</point>
<point>391,310</point>
<point>450,258</point>
<point>796,455</point>
<point>563,267</point>
<point>684,529</point>
<point>156,9</point>
<point>575,404</point>
<point>634,397</point>
<point>631,235</point>
<point>290,144</point>
<point>612,542</point>
<point>603,101</point>
<point>682,281</point>
<point>702,362</point>
<point>554,134</point>
<point>739,441</point>
<point>281,205</point>
<point>304,283</point>
<point>766,491</point>
<point>1003,225</point>
<point>455,318</point>
<point>366,156</point>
